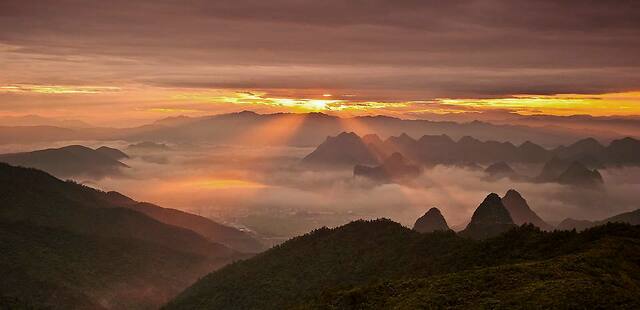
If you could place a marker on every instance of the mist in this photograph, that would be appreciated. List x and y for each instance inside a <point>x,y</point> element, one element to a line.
<point>266,191</point>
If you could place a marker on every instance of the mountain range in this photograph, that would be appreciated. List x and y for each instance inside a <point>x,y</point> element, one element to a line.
<point>441,149</point>
<point>66,245</point>
<point>573,165</point>
<point>307,129</point>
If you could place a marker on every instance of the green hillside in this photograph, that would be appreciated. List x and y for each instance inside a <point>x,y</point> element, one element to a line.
<point>380,264</point>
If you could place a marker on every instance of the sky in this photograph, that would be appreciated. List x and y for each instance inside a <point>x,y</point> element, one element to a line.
<point>127,62</point>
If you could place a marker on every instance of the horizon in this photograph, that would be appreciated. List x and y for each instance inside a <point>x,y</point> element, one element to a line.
<point>449,117</point>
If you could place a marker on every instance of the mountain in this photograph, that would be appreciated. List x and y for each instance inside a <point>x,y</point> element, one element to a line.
<point>580,148</point>
<point>632,217</point>
<point>500,170</point>
<point>65,245</point>
<point>552,169</point>
<point>345,149</point>
<point>403,143</point>
<point>490,219</point>
<point>112,153</point>
<point>579,175</point>
<point>394,168</point>
<point>430,222</point>
<point>434,148</point>
<point>531,152</point>
<point>520,211</point>
<point>623,152</point>
<point>382,265</point>
<point>569,172</point>
<point>68,161</point>
<point>214,232</point>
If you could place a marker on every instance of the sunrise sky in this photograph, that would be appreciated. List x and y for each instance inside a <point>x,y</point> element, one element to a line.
<point>128,62</point>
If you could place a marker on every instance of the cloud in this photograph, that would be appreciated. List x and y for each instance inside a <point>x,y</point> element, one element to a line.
<point>56,89</point>
<point>405,50</point>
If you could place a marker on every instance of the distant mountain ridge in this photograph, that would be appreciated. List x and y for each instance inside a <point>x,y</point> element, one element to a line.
<point>310,130</point>
<point>345,149</point>
<point>393,168</point>
<point>72,160</point>
<point>575,168</point>
<point>441,149</point>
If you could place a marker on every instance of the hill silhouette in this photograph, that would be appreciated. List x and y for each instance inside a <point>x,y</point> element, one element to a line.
<point>431,221</point>
<point>490,219</point>
<point>345,149</point>
<point>520,211</point>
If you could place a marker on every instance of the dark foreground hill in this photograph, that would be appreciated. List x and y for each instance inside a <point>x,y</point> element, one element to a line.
<point>65,245</point>
<point>381,265</point>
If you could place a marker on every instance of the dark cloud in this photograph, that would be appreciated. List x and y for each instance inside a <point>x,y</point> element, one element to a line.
<point>397,49</point>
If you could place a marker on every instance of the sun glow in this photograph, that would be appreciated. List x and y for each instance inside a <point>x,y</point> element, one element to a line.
<point>215,183</point>
<point>627,103</point>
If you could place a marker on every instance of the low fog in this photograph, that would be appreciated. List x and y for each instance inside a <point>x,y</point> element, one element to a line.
<point>265,190</point>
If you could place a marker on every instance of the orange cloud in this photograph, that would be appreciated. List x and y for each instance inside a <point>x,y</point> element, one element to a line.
<point>627,103</point>
<point>57,89</point>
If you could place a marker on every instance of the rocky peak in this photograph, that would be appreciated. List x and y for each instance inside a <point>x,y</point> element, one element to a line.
<point>431,221</point>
